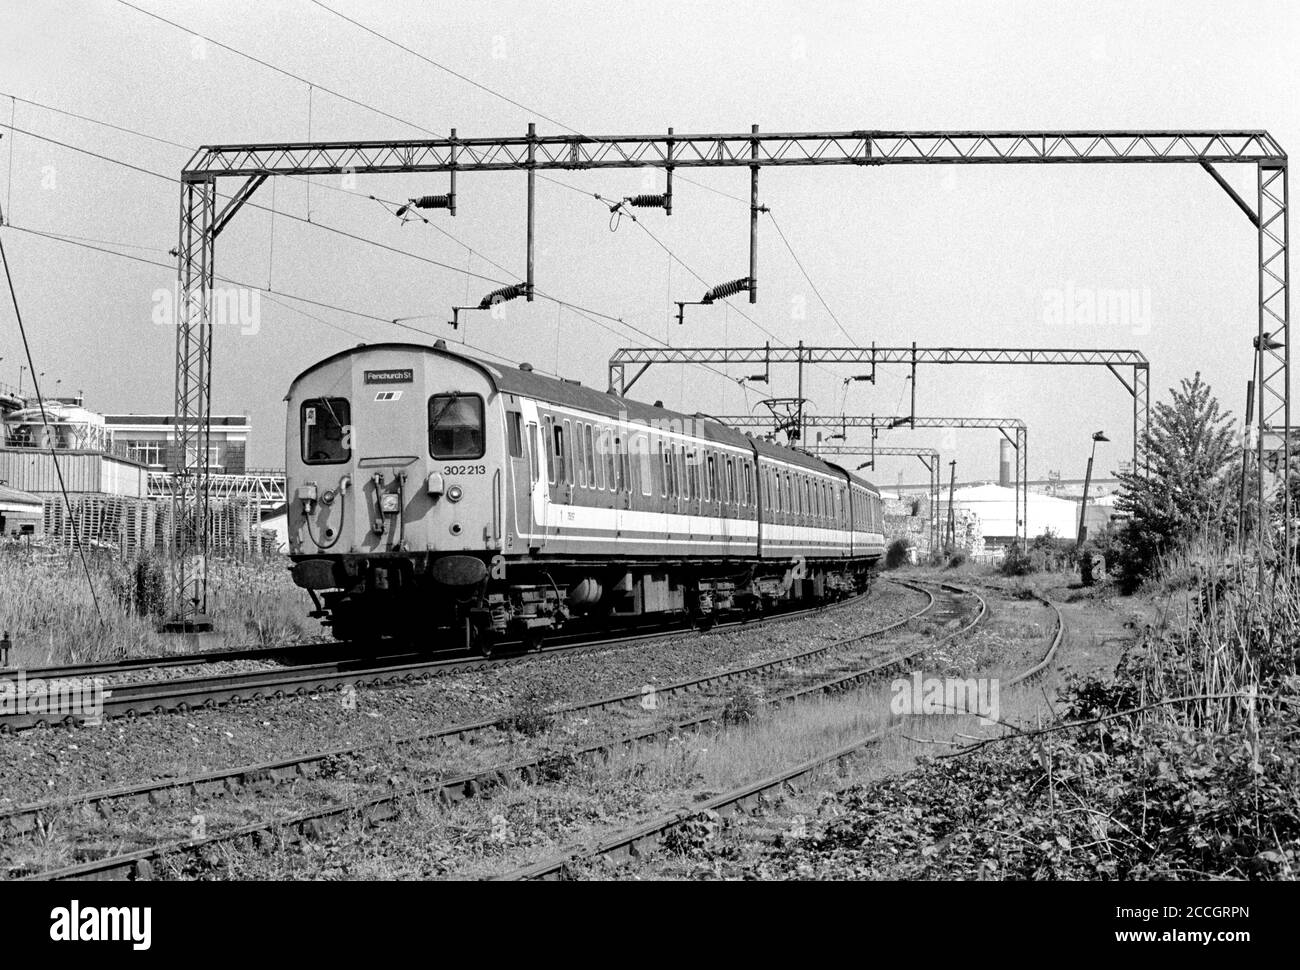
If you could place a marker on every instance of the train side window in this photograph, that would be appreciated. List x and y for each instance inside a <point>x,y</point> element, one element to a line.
<point>554,449</point>
<point>579,476</point>
<point>568,453</point>
<point>710,472</point>
<point>732,497</point>
<point>663,470</point>
<point>645,464</point>
<point>326,426</point>
<point>607,456</point>
<point>532,451</point>
<point>456,426</point>
<point>625,468</point>
<point>591,456</point>
<point>514,432</point>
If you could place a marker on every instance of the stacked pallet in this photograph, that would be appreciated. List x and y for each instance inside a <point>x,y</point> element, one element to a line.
<point>130,525</point>
<point>116,522</point>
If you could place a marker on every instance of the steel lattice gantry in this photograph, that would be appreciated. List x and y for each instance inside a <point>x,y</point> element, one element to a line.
<point>929,457</point>
<point>1139,388</point>
<point>200,223</point>
<point>1013,429</point>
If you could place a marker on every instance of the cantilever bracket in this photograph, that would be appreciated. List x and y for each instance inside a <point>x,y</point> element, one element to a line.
<point>635,377</point>
<point>1120,377</point>
<point>1232,193</point>
<point>236,202</point>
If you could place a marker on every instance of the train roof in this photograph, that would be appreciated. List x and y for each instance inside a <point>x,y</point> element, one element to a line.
<point>567,393</point>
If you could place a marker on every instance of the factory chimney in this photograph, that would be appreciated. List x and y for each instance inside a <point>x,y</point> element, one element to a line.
<point>1004,463</point>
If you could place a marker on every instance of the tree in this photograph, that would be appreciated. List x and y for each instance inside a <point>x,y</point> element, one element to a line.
<point>1185,495</point>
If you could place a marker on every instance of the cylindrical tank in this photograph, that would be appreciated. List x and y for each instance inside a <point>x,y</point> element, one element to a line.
<point>1004,463</point>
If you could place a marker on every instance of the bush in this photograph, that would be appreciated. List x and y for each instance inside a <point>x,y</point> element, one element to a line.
<point>742,705</point>
<point>532,716</point>
<point>1017,562</point>
<point>958,558</point>
<point>897,553</point>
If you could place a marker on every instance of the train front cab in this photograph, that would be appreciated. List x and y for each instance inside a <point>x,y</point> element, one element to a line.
<point>394,458</point>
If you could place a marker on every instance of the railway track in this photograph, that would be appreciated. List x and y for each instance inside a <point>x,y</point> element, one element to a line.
<point>636,840</point>
<point>131,699</point>
<point>446,790</point>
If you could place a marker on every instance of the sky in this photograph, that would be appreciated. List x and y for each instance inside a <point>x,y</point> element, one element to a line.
<point>942,255</point>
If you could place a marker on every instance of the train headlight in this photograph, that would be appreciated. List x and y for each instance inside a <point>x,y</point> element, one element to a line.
<point>454,493</point>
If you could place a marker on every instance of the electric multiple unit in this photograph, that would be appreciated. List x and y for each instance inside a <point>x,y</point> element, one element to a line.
<point>442,499</point>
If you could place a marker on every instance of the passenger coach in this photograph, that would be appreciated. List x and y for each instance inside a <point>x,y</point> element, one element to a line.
<point>432,493</point>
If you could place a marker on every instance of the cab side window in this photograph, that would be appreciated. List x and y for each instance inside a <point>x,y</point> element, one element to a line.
<point>514,434</point>
<point>456,426</point>
<point>326,428</point>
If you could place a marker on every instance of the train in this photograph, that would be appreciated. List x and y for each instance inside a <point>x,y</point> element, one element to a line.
<point>439,499</point>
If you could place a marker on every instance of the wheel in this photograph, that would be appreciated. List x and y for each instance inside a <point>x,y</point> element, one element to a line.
<point>533,641</point>
<point>485,643</point>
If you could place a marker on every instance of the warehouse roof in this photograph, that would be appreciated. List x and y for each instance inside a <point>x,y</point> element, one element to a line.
<point>14,496</point>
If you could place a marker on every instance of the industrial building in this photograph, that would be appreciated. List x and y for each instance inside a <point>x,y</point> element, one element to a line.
<point>21,513</point>
<point>150,439</point>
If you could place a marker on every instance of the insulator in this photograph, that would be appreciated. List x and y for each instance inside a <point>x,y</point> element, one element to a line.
<point>648,201</point>
<point>723,290</point>
<point>503,294</point>
<point>432,202</point>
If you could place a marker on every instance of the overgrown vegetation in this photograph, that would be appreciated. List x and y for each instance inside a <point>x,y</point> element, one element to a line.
<point>49,611</point>
<point>897,553</point>
<point>1183,766</point>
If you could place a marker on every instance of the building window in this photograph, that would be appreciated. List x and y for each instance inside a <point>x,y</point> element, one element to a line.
<point>192,456</point>
<point>147,452</point>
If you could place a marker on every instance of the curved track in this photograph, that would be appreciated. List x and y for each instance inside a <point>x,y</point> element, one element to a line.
<point>634,841</point>
<point>446,790</point>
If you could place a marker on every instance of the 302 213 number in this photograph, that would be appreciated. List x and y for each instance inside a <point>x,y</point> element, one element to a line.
<point>464,469</point>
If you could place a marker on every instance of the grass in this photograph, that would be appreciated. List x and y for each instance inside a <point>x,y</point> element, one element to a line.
<point>49,613</point>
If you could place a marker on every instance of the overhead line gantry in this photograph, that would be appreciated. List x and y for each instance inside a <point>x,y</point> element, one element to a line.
<point>1013,430</point>
<point>1116,361</point>
<point>201,223</point>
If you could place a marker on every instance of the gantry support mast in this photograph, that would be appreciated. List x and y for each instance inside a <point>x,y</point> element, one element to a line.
<point>530,153</point>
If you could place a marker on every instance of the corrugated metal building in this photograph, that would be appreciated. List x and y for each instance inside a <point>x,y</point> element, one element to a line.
<point>32,470</point>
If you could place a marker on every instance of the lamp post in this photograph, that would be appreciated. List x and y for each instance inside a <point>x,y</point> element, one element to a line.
<point>1087,480</point>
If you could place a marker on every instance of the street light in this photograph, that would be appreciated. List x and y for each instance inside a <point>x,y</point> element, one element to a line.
<point>1087,480</point>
